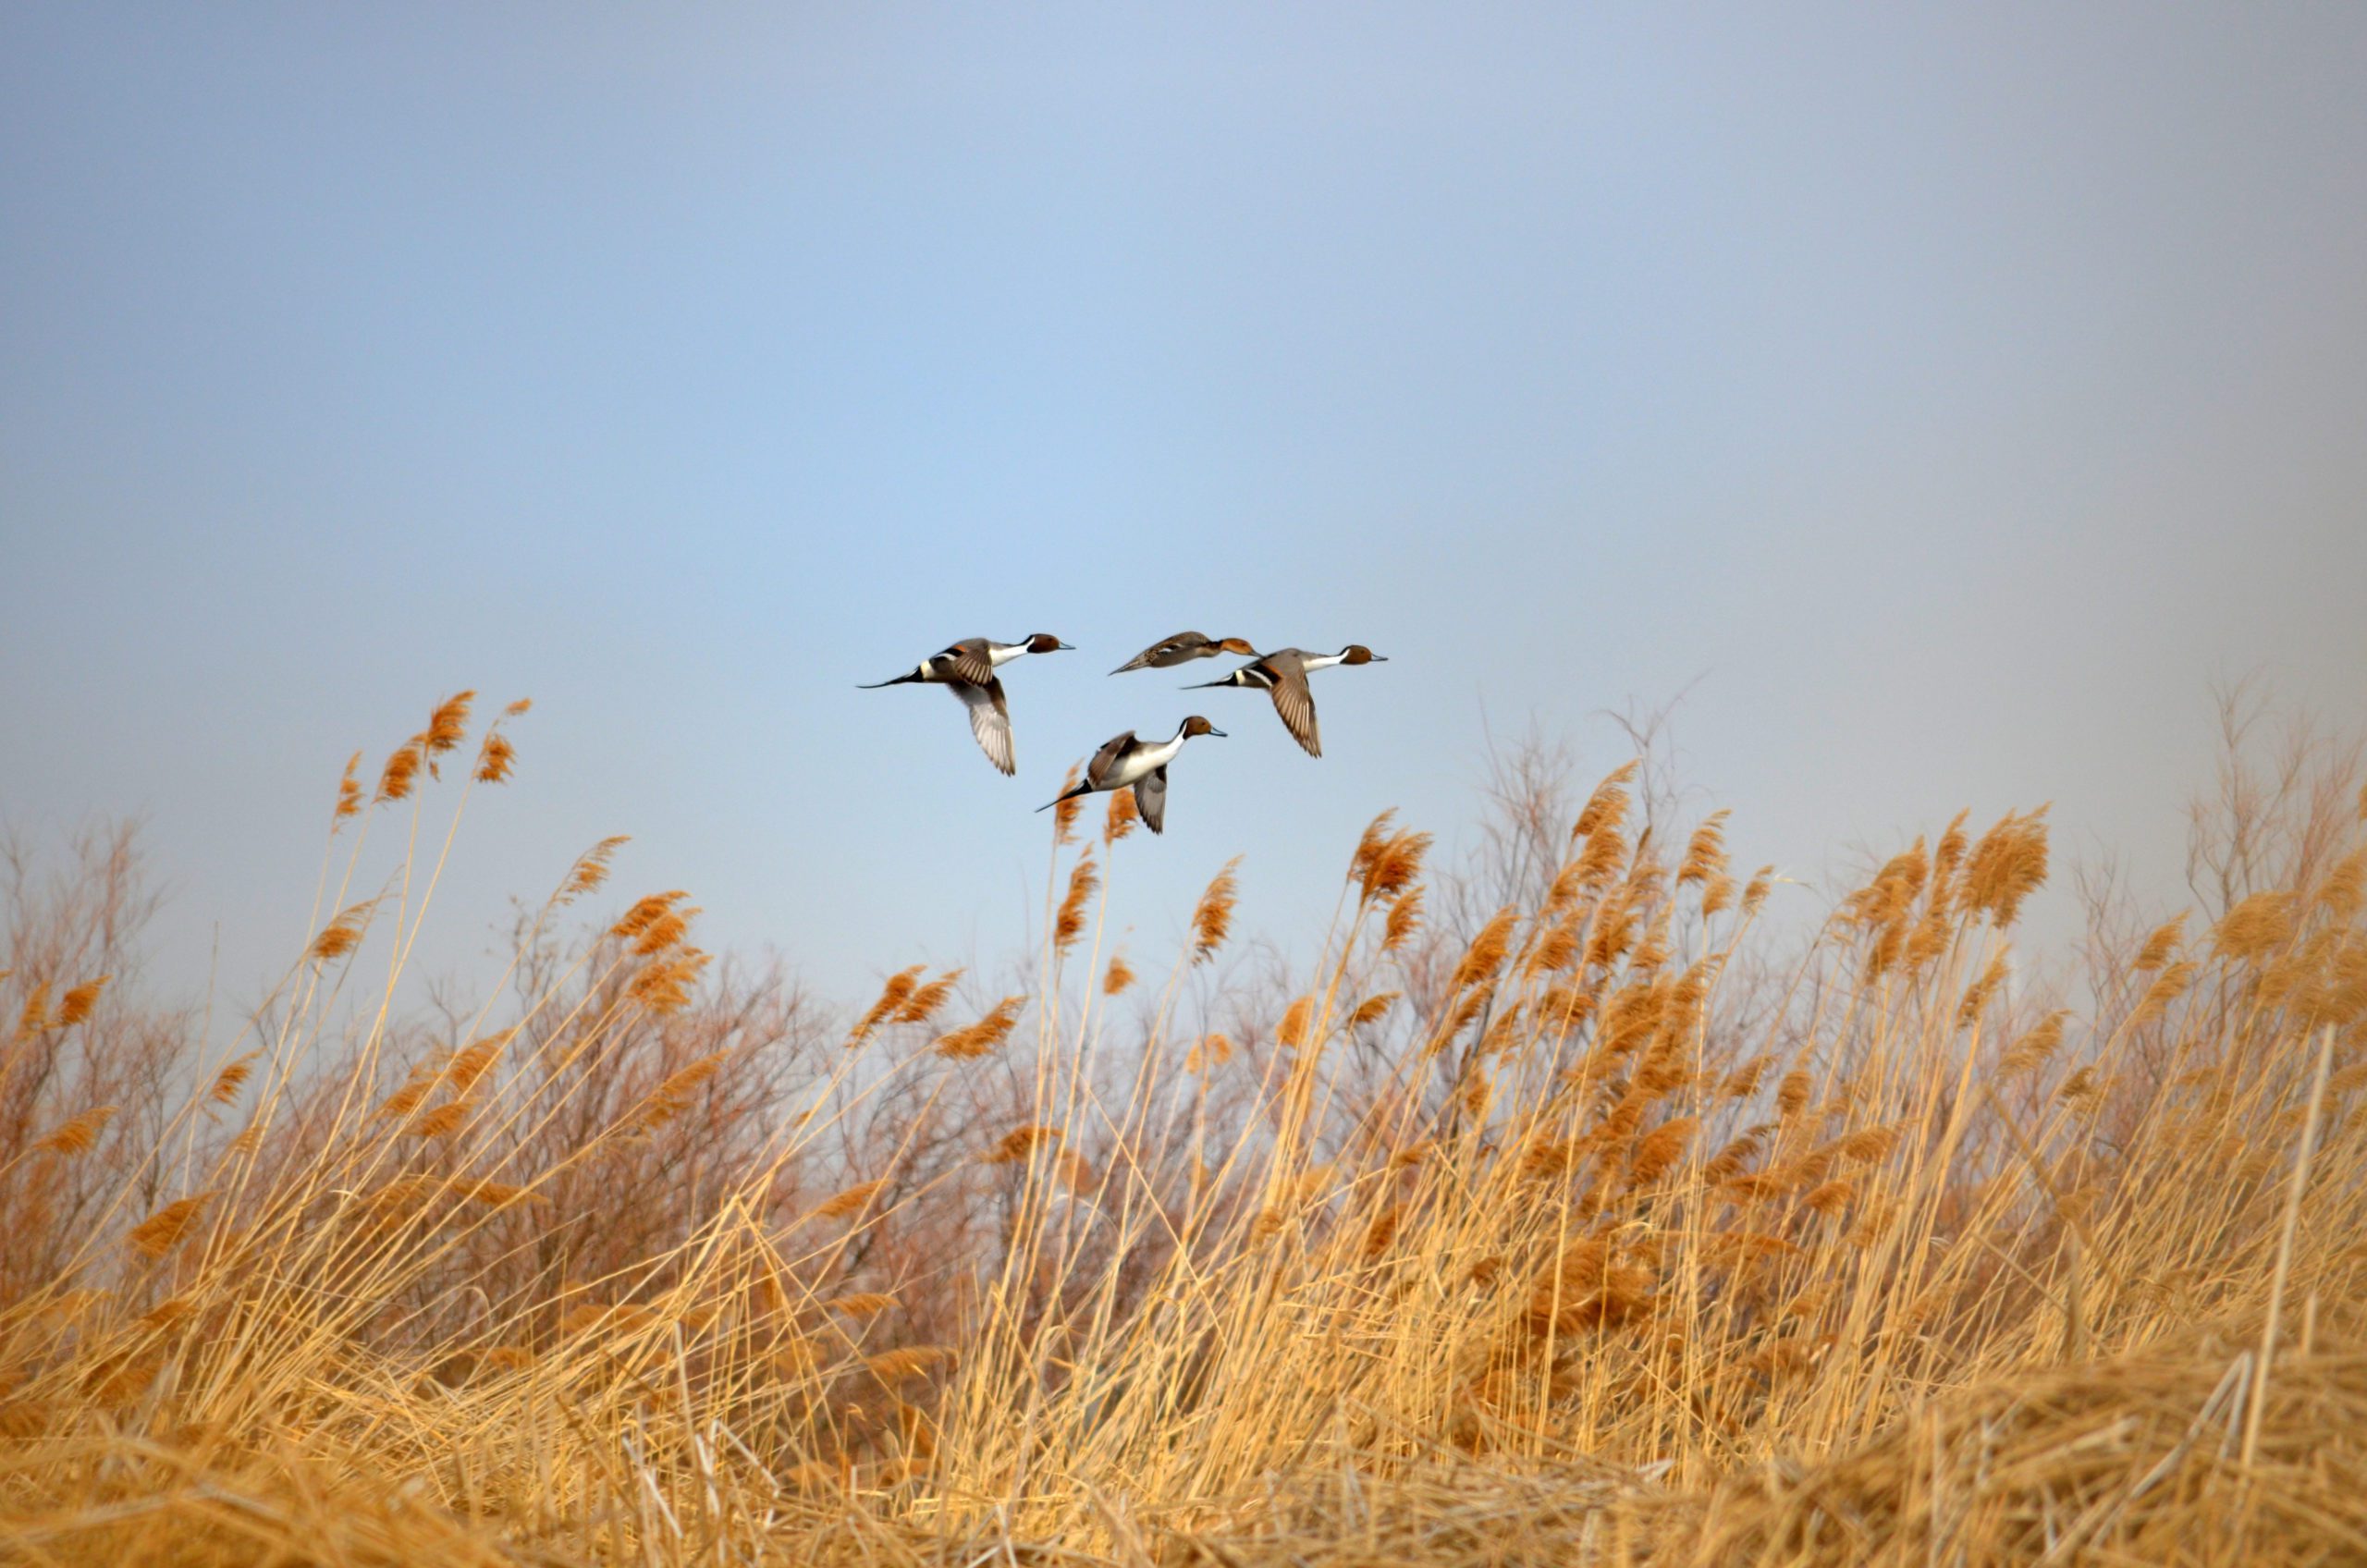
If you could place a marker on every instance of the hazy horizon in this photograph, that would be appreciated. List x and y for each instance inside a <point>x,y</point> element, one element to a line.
<point>1932,408</point>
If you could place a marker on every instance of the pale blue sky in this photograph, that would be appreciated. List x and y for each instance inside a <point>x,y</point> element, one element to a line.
<point>1946,399</point>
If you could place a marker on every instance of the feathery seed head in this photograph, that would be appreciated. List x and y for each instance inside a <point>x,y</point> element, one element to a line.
<point>76,1004</point>
<point>1070,924</point>
<point>1607,807</point>
<point>2255,927</point>
<point>475,1060</point>
<point>342,935</point>
<point>2032,1050</point>
<point>349,792</point>
<point>1066,810</point>
<point>673,1097</point>
<point>977,1039</point>
<point>160,1232</point>
<point>1487,950</point>
<point>443,1120</point>
<point>1977,995</point>
<point>590,870</point>
<point>2167,987</point>
<point>1210,1051</point>
<point>645,913</point>
<point>448,725</point>
<point>1212,916</point>
<point>1705,855</point>
<point>1755,893</point>
<point>1404,919</point>
<point>402,772</point>
<point>895,1366</point>
<point>1555,951</point>
<point>1369,845</point>
<point>851,1200</point>
<point>1291,1033</point>
<point>892,997</point>
<point>663,983</point>
<point>1394,865</point>
<point>1657,1152</point>
<point>926,1002</point>
<point>1121,818</point>
<point>78,1133</point>
<point>495,758</point>
<point>1718,895</point>
<point>1018,1143</point>
<point>2006,866</point>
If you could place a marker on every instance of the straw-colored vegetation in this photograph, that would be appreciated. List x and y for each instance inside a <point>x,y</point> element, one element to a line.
<point>1585,1204</point>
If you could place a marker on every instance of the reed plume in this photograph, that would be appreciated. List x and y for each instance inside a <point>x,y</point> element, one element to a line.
<point>977,1039</point>
<point>1212,916</point>
<point>673,1097</point>
<point>850,1200</point>
<point>1018,1143</point>
<point>1070,924</point>
<point>77,1133</point>
<point>398,778</point>
<point>590,870</point>
<point>892,997</point>
<point>1404,919</point>
<point>76,1004</point>
<point>341,935</point>
<point>160,1232</point>
<point>1066,809</point>
<point>926,1002</point>
<point>349,792</point>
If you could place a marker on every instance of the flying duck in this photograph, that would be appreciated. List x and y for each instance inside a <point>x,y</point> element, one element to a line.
<point>1183,648</point>
<point>967,669</point>
<point>1283,673</point>
<point>1124,761</point>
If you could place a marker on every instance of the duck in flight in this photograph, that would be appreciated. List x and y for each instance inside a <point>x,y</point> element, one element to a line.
<point>1183,648</point>
<point>1283,675</point>
<point>967,669</point>
<point>1123,761</point>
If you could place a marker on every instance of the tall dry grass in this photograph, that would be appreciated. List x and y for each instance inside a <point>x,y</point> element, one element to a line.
<point>1567,1209</point>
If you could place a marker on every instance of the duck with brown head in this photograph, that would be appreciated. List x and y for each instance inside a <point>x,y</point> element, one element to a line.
<point>1124,762</point>
<point>967,669</point>
<point>1283,674</point>
<point>1183,648</point>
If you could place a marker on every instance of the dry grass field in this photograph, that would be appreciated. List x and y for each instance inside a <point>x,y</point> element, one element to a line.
<point>1570,1208</point>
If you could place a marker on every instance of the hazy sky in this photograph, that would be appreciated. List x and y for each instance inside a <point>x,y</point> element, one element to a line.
<point>1942,402</point>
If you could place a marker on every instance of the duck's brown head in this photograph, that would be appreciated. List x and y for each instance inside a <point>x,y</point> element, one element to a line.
<point>1237,645</point>
<point>1044,643</point>
<point>1196,724</point>
<point>1357,652</point>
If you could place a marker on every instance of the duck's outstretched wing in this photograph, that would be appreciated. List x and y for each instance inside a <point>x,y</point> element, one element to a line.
<point>1097,771</point>
<point>989,720</point>
<point>1295,703</point>
<point>969,661</point>
<point>1151,798</point>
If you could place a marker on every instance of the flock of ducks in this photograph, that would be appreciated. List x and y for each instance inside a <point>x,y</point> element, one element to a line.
<point>1124,761</point>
